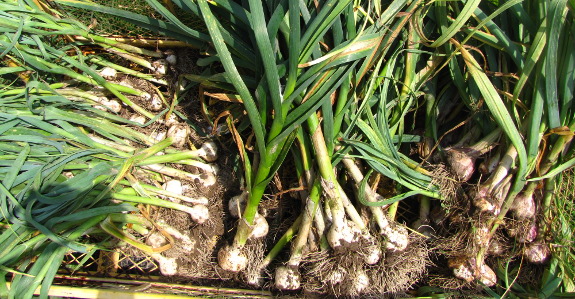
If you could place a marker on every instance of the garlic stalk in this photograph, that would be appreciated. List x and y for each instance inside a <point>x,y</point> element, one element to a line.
<point>198,213</point>
<point>205,179</point>
<point>397,239</point>
<point>485,190</point>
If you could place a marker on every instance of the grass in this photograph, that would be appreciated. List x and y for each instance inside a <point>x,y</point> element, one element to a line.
<point>562,228</point>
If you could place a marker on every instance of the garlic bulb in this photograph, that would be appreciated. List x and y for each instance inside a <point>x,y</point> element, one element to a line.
<point>537,253</point>
<point>487,276</point>
<point>463,268</point>
<point>156,103</point>
<point>171,57</point>
<point>200,213</point>
<point>237,204</point>
<point>174,186</point>
<point>260,227</point>
<point>360,281</point>
<point>341,235</point>
<point>108,73</point>
<point>462,162</point>
<point>208,151</point>
<point>138,119</point>
<point>524,206</point>
<point>373,255</point>
<point>287,279</point>
<point>232,259</point>
<point>168,265</point>
<point>160,66</point>
<point>179,135</point>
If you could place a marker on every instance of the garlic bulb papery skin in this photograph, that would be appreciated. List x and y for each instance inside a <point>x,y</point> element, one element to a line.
<point>360,281</point>
<point>199,213</point>
<point>255,279</point>
<point>524,206</point>
<point>237,204</point>
<point>287,279</point>
<point>174,186</point>
<point>138,119</point>
<point>168,266</point>
<point>232,259</point>
<point>208,152</point>
<point>160,66</point>
<point>481,235</point>
<point>373,255</point>
<point>463,268</point>
<point>527,235</point>
<point>156,103</point>
<point>462,162</point>
<point>172,120</point>
<point>156,240</point>
<point>483,203</point>
<point>495,248</point>
<point>179,135</point>
<point>213,168</point>
<point>108,73</point>
<point>397,238</point>
<point>206,179</point>
<point>158,136</point>
<point>341,235</point>
<point>68,174</point>
<point>487,276</point>
<point>127,83</point>
<point>172,59</point>
<point>109,105</point>
<point>260,227</point>
<point>337,276</point>
<point>145,96</point>
<point>537,253</point>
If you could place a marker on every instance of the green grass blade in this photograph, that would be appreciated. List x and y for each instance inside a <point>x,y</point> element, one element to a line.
<point>266,54</point>
<point>535,53</point>
<point>198,39</point>
<point>319,26</point>
<point>233,74</point>
<point>555,17</point>
<point>502,39</point>
<point>497,108</point>
<point>566,80</point>
<point>294,47</point>
<point>461,19</point>
<point>277,21</point>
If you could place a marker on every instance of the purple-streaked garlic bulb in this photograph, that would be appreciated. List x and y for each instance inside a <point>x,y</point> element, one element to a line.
<point>462,162</point>
<point>524,206</point>
<point>537,253</point>
<point>487,276</point>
